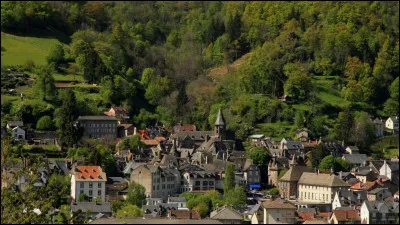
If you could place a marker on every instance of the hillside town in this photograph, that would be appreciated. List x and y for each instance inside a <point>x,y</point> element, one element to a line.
<point>179,159</point>
<point>199,112</point>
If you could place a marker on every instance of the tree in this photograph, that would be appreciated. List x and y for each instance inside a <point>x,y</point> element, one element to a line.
<point>318,154</point>
<point>66,117</point>
<point>259,155</point>
<point>344,124</point>
<point>45,123</point>
<point>129,211</point>
<point>46,83</point>
<point>203,209</point>
<point>132,143</point>
<point>56,55</point>
<point>116,205</point>
<point>337,164</point>
<point>136,194</point>
<point>229,181</point>
<point>215,197</point>
<point>83,198</point>
<point>273,191</point>
<point>236,197</point>
<point>363,131</point>
<point>392,104</point>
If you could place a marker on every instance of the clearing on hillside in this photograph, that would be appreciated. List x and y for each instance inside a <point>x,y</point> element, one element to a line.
<point>16,50</point>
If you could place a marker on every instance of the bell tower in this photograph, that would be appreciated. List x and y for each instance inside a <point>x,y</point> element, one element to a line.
<point>219,126</point>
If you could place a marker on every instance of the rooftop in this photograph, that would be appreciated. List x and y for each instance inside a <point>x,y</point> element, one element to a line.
<point>279,204</point>
<point>89,173</point>
<point>319,179</point>
<point>105,118</point>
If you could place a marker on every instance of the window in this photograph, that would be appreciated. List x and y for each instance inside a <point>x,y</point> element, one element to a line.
<point>158,187</point>
<point>82,185</point>
<point>99,192</point>
<point>163,179</point>
<point>90,192</point>
<point>312,196</point>
<point>205,183</point>
<point>90,185</point>
<point>99,185</point>
<point>211,183</point>
<point>163,186</point>
<point>197,183</point>
<point>81,191</point>
<point>154,187</point>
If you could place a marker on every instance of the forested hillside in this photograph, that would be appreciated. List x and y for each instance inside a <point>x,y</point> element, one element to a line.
<point>335,60</point>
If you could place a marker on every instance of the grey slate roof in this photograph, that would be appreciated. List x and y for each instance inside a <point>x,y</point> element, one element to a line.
<point>116,180</point>
<point>326,180</point>
<point>15,123</point>
<point>226,213</point>
<point>105,118</point>
<point>356,158</point>
<point>101,207</point>
<point>176,199</point>
<point>375,206</point>
<point>294,173</point>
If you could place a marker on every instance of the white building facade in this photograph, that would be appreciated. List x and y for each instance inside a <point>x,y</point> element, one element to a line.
<point>89,180</point>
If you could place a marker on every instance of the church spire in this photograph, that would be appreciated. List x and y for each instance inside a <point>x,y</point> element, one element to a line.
<point>220,119</point>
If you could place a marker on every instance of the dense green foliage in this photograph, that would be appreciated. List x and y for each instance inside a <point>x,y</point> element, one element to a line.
<point>236,197</point>
<point>136,194</point>
<point>318,154</point>
<point>229,180</point>
<point>155,57</point>
<point>45,123</point>
<point>337,164</point>
<point>129,211</point>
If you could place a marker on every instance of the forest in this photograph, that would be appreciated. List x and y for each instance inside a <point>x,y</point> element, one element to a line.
<point>157,58</point>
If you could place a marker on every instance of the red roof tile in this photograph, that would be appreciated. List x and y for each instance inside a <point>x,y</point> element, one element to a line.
<point>346,215</point>
<point>90,173</point>
<point>303,216</point>
<point>150,142</point>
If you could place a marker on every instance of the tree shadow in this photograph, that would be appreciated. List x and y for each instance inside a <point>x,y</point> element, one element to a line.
<point>48,32</point>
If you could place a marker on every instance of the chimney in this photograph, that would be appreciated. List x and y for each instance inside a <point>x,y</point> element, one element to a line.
<point>206,160</point>
<point>134,131</point>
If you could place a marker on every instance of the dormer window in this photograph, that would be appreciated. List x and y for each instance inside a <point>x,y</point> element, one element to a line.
<point>82,177</point>
<point>91,177</point>
<point>94,170</point>
<point>99,177</point>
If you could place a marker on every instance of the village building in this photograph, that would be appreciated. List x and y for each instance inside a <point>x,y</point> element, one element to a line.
<point>392,124</point>
<point>227,215</point>
<point>13,124</point>
<point>344,216</point>
<point>279,211</point>
<point>318,189</point>
<point>18,133</point>
<point>379,212</point>
<point>288,182</point>
<point>89,180</point>
<point>99,126</point>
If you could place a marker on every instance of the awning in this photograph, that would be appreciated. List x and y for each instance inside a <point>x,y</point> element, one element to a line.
<point>254,186</point>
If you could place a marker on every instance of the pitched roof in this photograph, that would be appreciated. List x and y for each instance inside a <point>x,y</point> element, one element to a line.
<point>105,118</point>
<point>295,172</point>
<point>176,199</point>
<point>315,222</point>
<point>279,204</point>
<point>356,158</point>
<point>103,207</point>
<point>220,120</point>
<point>185,214</point>
<point>226,213</point>
<point>322,180</point>
<point>150,142</point>
<point>346,215</point>
<point>353,148</point>
<point>303,216</point>
<point>15,123</point>
<point>375,206</point>
<point>89,173</point>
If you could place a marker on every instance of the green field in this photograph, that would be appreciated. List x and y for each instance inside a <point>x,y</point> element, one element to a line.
<point>275,130</point>
<point>16,50</point>
<point>326,92</point>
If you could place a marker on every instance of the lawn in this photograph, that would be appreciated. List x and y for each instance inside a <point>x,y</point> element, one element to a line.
<point>326,92</point>
<point>275,130</point>
<point>16,50</point>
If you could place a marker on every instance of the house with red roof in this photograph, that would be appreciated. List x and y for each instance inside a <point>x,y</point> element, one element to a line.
<point>345,216</point>
<point>89,180</point>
